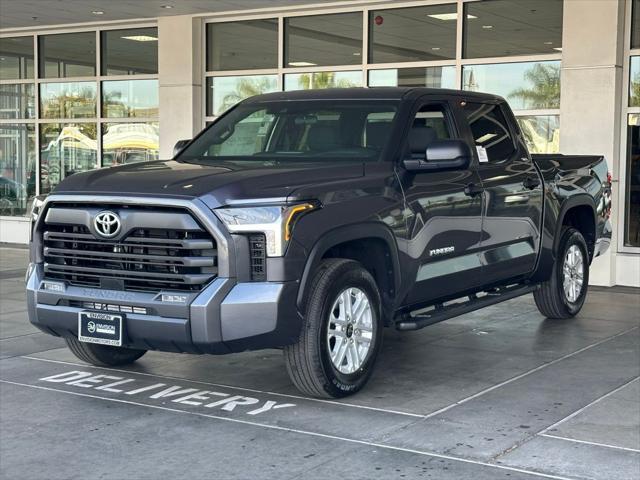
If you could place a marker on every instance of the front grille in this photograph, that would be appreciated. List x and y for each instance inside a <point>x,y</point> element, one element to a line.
<point>144,259</point>
<point>258,254</point>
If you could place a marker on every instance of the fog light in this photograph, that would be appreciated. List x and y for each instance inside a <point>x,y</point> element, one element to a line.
<point>53,286</point>
<point>174,298</point>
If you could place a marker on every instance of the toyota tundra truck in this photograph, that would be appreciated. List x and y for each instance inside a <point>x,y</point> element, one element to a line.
<point>309,221</point>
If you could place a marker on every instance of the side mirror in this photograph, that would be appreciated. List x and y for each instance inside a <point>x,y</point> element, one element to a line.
<point>440,155</point>
<point>180,144</point>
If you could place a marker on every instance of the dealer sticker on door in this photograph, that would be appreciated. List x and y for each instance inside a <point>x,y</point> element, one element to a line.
<point>100,328</point>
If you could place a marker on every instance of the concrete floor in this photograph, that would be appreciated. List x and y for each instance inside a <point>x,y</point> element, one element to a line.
<point>500,393</point>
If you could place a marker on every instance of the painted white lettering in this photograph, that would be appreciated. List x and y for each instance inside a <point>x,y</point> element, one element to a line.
<point>200,395</point>
<point>87,382</point>
<point>228,404</point>
<point>145,389</point>
<point>172,392</point>
<point>269,405</point>
<point>66,377</point>
<point>109,386</point>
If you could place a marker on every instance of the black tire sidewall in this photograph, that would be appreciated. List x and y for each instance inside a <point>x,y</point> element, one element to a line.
<point>571,237</point>
<point>351,275</point>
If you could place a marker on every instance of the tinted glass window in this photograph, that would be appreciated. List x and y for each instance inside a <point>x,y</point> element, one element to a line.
<point>16,58</point>
<point>242,45</point>
<point>68,100</point>
<point>430,124</point>
<point>66,149</point>
<point>131,51</point>
<point>318,80</point>
<point>17,100</point>
<point>129,142</point>
<point>17,168</point>
<point>67,55</point>
<point>224,92</point>
<point>130,98</point>
<point>635,24</point>
<point>526,85</point>
<point>632,200</point>
<point>412,34</point>
<point>432,77</point>
<point>490,130</point>
<point>634,82</point>
<point>323,40</point>
<point>541,132</point>
<point>500,28</point>
<point>303,132</point>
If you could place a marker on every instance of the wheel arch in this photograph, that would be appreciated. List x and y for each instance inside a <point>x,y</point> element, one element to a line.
<point>371,244</point>
<point>579,212</point>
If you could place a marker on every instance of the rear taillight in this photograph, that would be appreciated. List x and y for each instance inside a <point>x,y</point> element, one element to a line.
<point>609,178</point>
<point>608,195</point>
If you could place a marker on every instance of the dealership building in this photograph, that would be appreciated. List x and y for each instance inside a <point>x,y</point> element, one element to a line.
<point>96,83</point>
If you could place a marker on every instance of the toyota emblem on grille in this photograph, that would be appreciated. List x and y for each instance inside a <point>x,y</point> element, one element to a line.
<point>107,224</point>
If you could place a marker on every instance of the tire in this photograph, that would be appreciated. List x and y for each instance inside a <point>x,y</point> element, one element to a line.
<point>103,355</point>
<point>325,330</point>
<point>552,300</point>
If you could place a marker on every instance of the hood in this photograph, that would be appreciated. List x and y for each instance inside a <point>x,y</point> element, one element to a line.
<point>217,184</point>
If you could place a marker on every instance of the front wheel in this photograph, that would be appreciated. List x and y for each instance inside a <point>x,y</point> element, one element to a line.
<point>563,295</point>
<point>342,332</point>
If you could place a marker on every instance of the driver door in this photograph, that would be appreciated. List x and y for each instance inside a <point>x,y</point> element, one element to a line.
<point>444,218</point>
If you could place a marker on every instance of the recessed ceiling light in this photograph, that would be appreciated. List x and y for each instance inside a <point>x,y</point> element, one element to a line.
<point>356,54</point>
<point>548,43</point>
<point>302,64</point>
<point>448,16</point>
<point>98,12</point>
<point>435,48</point>
<point>141,38</point>
<point>559,49</point>
<point>166,6</point>
<point>487,27</point>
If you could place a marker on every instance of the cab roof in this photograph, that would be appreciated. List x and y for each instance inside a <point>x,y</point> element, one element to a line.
<point>373,93</point>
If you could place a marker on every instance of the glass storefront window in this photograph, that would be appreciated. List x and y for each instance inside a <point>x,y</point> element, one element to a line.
<point>500,28</point>
<point>317,80</point>
<point>16,58</point>
<point>242,45</point>
<point>129,52</point>
<point>68,100</point>
<point>526,85</point>
<point>66,149</point>
<point>130,98</point>
<point>129,142</point>
<point>225,92</point>
<point>634,82</point>
<point>432,77</point>
<point>334,39</point>
<point>412,34</point>
<point>541,132</point>
<point>632,200</point>
<point>67,55</point>
<point>17,167</point>
<point>17,101</point>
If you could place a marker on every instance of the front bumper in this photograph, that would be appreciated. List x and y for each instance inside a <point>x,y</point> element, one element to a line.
<point>224,317</point>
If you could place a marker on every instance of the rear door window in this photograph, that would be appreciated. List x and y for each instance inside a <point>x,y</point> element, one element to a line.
<point>491,134</point>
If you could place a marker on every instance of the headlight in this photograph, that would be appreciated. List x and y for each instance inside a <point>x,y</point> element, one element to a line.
<point>276,222</point>
<point>36,206</point>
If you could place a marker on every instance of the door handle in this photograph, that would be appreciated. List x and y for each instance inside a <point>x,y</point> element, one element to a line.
<point>471,190</point>
<point>531,182</point>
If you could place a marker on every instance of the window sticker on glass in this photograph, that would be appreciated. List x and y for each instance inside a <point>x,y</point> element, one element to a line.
<point>482,154</point>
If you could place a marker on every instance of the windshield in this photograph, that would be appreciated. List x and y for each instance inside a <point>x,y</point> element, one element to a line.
<point>307,131</point>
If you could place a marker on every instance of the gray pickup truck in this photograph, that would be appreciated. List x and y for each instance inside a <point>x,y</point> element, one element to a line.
<point>309,221</point>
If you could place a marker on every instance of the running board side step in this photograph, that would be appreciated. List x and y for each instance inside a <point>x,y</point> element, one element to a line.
<point>474,302</point>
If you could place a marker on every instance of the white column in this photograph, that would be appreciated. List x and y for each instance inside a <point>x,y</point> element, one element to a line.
<point>591,99</point>
<point>180,73</point>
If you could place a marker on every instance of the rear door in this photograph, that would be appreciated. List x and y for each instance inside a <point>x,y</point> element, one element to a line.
<point>443,222</point>
<point>512,197</point>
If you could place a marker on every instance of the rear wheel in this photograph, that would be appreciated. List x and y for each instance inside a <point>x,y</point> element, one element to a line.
<point>342,332</point>
<point>563,295</point>
<point>103,355</point>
